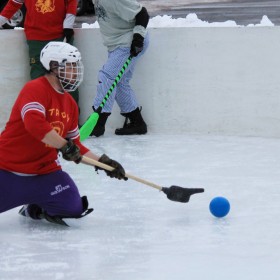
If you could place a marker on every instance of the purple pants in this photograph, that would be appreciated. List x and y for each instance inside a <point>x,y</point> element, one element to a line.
<point>55,192</point>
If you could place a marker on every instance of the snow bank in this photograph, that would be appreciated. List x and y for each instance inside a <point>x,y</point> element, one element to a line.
<point>191,20</point>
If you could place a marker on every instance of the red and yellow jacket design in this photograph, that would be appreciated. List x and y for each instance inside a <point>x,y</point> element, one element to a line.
<point>37,110</point>
<point>44,18</point>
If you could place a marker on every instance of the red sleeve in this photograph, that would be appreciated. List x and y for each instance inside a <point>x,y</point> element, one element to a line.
<point>83,149</point>
<point>35,123</point>
<point>71,7</point>
<point>74,134</point>
<point>32,103</point>
<point>11,8</point>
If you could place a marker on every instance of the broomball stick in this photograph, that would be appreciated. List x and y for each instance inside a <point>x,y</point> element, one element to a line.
<point>174,193</point>
<point>91,122</point>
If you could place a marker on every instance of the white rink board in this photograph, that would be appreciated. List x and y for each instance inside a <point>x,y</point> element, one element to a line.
<point>222,80</point>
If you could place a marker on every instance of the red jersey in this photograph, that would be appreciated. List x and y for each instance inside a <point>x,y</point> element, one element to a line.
<point>44,18</point>
<point>37,110</point>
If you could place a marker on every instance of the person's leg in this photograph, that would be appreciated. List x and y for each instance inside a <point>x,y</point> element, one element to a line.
<point>99,128</point>
<point>106,77</point>
<point>134,123</point>
<point>125,96</point>
<point>55,193</point>
<point>34,48</point>
<point>126,99</point>
<point>123,93</point>
<point>62,197</point>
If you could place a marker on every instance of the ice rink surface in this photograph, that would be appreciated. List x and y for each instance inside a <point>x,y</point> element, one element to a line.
<point>136,233</point>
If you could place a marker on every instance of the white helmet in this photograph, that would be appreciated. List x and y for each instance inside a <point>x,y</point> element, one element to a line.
<point>69,64</point>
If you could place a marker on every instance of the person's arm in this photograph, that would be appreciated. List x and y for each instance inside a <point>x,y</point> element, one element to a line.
<point>139,32</point>
<point>54,140</point>
<point>68,30</point>
<point>68,23</point>
<point>3,20</point>
<point>141,22</point>
<point>71,7</point>
<point>70,151</point>
<point>10,9</point>
<point>118,171</point>
<point>73,150</point>
<point>91,155</point>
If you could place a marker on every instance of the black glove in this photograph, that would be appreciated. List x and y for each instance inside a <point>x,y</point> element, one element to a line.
<point>137,44</point>
<point>70,151</point>
<point>118,172</point>
<point>68,34</point>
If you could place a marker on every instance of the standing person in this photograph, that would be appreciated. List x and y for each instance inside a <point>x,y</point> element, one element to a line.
<point>45,21</point>
<point>123,27</point>
<point>43,121</point>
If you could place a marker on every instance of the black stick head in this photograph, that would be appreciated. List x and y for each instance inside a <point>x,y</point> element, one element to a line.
<point>180,194</point>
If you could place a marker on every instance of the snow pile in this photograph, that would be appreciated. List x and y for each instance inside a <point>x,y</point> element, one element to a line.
<point>191,20</point>
<point>264,22</point>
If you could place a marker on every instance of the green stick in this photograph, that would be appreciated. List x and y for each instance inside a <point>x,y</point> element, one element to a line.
<point>90,123</point>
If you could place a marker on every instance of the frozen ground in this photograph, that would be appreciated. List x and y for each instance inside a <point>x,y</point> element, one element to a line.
<point>136,233</point>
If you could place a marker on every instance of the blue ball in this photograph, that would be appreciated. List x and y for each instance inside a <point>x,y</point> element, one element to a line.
<point>219,206</point>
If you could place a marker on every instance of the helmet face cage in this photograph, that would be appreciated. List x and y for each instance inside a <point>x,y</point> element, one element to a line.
<point>66,60</point>
<point>70,75</point>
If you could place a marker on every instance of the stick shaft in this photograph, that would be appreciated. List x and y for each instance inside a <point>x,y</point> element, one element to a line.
<point>90,123</point>
<point>116,81</point>
<point>130,176</point>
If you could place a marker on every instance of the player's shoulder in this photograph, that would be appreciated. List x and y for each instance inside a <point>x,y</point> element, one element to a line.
<point>35,89</point>
<point>37,84</point>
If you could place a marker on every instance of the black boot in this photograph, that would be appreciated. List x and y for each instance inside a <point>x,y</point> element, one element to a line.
<point>136,125</point>
<point>99,128</point>
<point>31,210</point>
